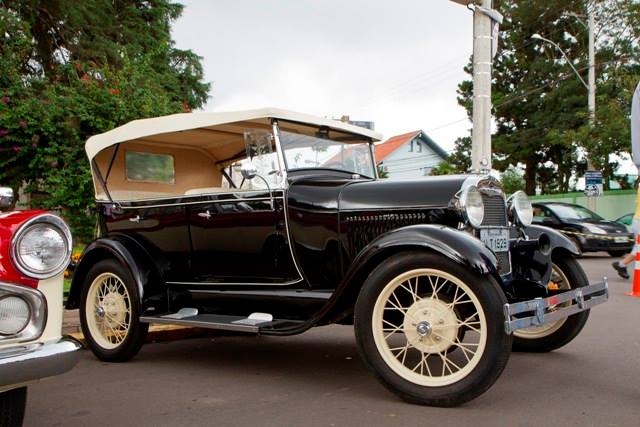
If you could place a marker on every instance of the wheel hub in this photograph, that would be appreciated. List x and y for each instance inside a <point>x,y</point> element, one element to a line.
<point>431,325</point>
<point>113,308</point>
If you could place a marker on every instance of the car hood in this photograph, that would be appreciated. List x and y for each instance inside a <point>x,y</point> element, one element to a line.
<point>606,225</point>
<point>436,191</point>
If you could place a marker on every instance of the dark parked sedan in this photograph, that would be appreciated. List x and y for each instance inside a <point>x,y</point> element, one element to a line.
<point>588,230</point>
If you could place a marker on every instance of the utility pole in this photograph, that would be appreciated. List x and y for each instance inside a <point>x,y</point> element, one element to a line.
<point>482,63</point>
<point>484,19</point>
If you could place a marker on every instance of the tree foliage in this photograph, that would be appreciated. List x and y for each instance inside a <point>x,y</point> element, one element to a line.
<point>69,70</point>
<point>540,106</point>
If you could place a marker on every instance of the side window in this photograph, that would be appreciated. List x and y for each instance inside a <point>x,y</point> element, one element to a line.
<point>150,167</point>
<point>538,214</point>
<point>260,153</point>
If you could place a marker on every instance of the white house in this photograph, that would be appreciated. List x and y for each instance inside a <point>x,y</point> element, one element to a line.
<point>410,155</point>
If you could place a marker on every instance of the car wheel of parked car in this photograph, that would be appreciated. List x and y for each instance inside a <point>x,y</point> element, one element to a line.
<point>431,330</point>
<point>110,311</point>
<point>566,274</point>
<point>617,254</point>
<point>12,406</point>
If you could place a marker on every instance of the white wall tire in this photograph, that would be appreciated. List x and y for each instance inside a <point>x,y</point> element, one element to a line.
<point>109,312</point>
<point>431,330</point>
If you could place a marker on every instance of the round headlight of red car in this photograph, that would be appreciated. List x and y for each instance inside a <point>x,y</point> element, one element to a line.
<point>14,315</point>
<point>42,247</point>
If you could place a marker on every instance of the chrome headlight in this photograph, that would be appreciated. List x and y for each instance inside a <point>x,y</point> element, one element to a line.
<point>594,229</point>
<point>472,206</point>
<point>15,315</point>
<point>41,247</point>
<point>23,313</point>
<point>520,208</point>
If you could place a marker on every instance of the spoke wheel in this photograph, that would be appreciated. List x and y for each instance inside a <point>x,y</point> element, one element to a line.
<point>416,323</point>
<point>566,274</point>
<point>109,312</point>
<point>431,330</point>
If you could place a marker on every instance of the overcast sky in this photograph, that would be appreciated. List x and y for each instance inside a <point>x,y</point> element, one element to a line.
<point>397,63</point>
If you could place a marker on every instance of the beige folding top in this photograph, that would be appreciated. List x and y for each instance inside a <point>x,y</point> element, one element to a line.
<point>171,128</point>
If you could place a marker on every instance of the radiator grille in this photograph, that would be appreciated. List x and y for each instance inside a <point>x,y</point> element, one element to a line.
<point>495,215</point>
<point>495,212</point>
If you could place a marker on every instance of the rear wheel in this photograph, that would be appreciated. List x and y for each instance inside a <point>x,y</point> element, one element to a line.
<point>566,274</point>
<point>110,311</point>
<point>12,406</point>
<point>431,330</point>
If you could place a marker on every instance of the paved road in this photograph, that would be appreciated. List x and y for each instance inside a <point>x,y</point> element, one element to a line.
<point>317,379</point>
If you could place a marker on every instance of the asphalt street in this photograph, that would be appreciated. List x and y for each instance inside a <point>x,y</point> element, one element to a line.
<point>318,379</point>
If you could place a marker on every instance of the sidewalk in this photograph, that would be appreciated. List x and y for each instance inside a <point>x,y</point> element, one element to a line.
<point>71,326</point>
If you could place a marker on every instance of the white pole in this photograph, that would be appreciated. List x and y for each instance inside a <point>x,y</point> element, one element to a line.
<point>591,201</point>
<point>481,134</point>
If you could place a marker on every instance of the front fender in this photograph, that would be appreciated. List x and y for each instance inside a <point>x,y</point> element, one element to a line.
<point>459,246</point>
<point>558,240</point>
<point>120,248</point>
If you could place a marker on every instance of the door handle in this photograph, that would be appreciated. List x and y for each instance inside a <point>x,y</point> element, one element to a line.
<point>136,218</point>
<point>206,214</point>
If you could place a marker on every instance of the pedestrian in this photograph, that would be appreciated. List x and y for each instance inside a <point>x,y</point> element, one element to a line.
<point>621,265</point>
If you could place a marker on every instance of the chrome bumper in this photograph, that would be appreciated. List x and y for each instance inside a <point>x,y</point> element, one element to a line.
<point>539,311</point>
<point>26,363</point>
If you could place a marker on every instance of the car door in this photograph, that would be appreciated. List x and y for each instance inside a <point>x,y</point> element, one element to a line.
<point>240,238</point>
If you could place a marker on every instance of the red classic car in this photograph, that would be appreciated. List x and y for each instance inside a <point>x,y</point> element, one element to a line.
<point>34,251</point>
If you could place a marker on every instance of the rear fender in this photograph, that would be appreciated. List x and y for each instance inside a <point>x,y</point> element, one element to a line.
<point>124,250</point>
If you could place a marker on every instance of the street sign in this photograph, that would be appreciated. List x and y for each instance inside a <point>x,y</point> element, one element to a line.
<point>593,183</point>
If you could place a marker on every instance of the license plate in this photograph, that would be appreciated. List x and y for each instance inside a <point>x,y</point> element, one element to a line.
<point>496,239</point>
<point>620,239</point>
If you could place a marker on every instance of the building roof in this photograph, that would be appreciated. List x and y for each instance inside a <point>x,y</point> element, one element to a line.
<point>392,144</point>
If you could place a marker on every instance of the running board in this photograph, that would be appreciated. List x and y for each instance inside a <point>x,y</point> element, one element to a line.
<point>190,317</point>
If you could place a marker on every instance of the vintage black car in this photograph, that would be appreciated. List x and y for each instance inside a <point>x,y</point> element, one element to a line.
<point>272,222</point>
<point>588,230</point>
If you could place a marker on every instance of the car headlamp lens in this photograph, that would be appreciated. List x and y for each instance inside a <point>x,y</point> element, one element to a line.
<point>520,205</point>
<point>472,205</point>
<point>42,247</point>
<point>14,315</point>
<point>594,229</point>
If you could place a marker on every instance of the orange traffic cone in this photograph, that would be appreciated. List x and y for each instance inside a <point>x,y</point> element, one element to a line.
<point>635,291</point>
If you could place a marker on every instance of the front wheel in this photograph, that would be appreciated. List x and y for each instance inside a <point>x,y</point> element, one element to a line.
<point>566,274</point>
<point>110,311</point>
<point>12,406</point>
<point>431,330</point>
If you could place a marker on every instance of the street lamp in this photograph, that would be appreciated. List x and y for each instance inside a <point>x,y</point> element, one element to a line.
<point>591,86</point>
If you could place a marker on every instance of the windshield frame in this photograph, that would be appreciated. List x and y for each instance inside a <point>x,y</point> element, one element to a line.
<point>357,142</point>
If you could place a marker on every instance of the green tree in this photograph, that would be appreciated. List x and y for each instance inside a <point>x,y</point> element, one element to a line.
<point>70,70</point>
<point>512,180</point>
<point>540,106</point>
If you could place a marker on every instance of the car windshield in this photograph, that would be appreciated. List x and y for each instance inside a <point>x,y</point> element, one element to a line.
<point>574,212</point>
<point>321,152</point>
